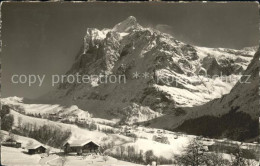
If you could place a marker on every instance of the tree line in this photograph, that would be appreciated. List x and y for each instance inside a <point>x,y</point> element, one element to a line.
<point>195,154</point>
<point>7,119</point>
<point>46,134</point>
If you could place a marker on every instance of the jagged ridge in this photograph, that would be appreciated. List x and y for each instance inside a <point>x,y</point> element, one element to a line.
<point>129,48</point>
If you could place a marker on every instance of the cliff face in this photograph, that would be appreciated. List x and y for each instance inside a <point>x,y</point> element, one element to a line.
<point>170,73</point>
<point>234,115</point>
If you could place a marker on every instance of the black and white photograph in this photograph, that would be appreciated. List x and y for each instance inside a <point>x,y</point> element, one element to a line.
<point>129,84</point>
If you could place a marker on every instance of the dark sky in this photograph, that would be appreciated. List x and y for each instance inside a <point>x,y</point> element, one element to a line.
<point>43,38</point>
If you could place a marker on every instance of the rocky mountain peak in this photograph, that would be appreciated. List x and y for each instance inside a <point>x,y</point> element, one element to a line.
<point>127,25</point>
<point>173,71</point>
<point>131,19</point>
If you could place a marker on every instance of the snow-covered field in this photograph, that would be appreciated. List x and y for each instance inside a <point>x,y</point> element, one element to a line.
<point>18,157</point>
<point>94,160</point>
<point>23,159</point>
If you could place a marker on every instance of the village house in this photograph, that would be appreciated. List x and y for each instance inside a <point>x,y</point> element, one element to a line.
<point>159,132</point>
<point>36,149</point>
<point>82,120</point>
<point>81,146</point>
<point>53,114</point>
<point>11,143</point>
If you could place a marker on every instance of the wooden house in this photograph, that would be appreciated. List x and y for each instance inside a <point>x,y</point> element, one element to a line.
<point>36,149</point>
<point>81,146</point>
<point>11,143</point>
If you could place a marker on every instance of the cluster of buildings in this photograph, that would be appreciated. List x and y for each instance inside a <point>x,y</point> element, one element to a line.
<point>78,146</point>
<point>33,149</point>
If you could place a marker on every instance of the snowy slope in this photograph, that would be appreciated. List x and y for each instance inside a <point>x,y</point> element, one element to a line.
<point>77,132</point>
<point>20,158</point>
<point>18,104</point>
<point>242,98</point>
<point>175,146</point>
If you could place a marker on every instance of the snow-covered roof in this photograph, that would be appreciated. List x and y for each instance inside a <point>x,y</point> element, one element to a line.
<point>10,140</point>
<point>77,143</point>
<point>35,146</point>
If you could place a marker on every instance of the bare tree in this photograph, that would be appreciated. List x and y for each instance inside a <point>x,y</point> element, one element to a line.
<point>251,162</point>
<point>63,160</point>
<point>84,156</point>
<point>122,151</point>
<point>118,150</point>
<point>193,154</point>
<point>149,156</point>
<point>215,159</point>
<point>238,158</point>
<point>105,158</point>
<point>19,121</point>
<point>48,151</point>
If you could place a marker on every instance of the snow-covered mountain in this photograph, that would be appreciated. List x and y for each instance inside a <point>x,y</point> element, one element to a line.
<point>239,110</point>
<point>171,74</point>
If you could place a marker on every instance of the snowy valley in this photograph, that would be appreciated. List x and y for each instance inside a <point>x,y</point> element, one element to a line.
<point>113,139</point>
<point>172,89</point>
